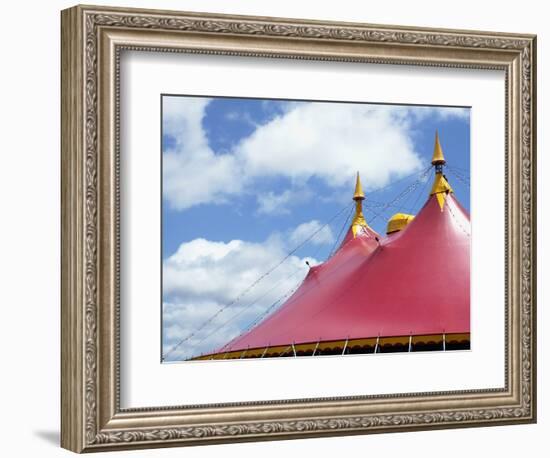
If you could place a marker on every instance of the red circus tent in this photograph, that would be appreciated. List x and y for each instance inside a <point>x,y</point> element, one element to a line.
<point>407,290</point>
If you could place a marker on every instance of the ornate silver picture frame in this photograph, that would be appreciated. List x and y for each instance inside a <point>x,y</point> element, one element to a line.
<point>93,39</point>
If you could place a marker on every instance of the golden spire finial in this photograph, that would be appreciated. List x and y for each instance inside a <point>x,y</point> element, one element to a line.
<point>359,194</point>
<point>441,186</point>
<point>438,158</point>
<point>358,222</point>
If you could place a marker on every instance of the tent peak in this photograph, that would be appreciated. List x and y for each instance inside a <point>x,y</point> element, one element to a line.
<point>359,194</point>
<point>441,187</point>
<point>438,159</point>
<point>358,223</point>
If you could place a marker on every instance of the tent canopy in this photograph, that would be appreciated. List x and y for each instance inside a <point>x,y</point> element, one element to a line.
<point>412,282</point>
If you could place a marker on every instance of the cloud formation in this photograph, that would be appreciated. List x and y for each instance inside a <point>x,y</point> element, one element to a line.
<point>332,142</point>
<point>204,276</point>
<point>326,141</point>
<point>192,173</point>
<point>323,234</point>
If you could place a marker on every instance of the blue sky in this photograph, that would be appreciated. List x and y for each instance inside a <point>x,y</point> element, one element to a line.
<point>247,180</point>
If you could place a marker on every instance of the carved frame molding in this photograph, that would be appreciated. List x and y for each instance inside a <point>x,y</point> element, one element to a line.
<point>92,39</point>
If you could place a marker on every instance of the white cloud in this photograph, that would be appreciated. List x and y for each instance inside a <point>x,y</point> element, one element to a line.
<point>328,141</point>
<point>241,117</point>
<point>323,234</point>
<point>203,276</point>
<point>332,142</point>
<point>192,173</point>
<point>270,203</point>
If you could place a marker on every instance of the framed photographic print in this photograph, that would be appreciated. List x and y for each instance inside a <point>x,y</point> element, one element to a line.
<point>278,228</point>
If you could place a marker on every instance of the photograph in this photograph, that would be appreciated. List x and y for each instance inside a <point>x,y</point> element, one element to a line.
<point>281,226</point>
<point>313,228</point>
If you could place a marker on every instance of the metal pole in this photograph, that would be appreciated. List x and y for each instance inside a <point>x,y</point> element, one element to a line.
<point>345,346</point>
<point>265,351</point>
<point>410,342</point>
<point>294,349</point>
<point>377,342</point>
<point>444,343</point>
<point>284,352</point>
<point>315,349</point>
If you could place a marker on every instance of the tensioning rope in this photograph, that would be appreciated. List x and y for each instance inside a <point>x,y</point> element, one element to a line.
<point>280,300</point>
<point>369,204</point>
<point>421,193</point>
<point>459,224</point>
<point>393,183</point>
<point>346,222</point>
<point>460,177</point>
<point>240,312</point>
<point>385,207</point>
<point>402,194</point>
